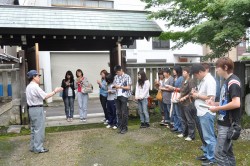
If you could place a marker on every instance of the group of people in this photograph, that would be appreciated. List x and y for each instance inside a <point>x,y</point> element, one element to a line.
<point>114,93</point>
<point>71,88</point>
<point>194,105</point>
<point>187,104</point>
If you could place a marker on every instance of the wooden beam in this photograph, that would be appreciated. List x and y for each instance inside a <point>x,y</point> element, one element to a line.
<point>37,57</point>
<point>23,83</point>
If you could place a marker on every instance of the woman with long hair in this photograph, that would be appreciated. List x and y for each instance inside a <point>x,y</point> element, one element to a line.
<point>103,94</point>
<point>82,97</point>
<point>141,95</point>
<point>68,95</point>
<point>176,114</point>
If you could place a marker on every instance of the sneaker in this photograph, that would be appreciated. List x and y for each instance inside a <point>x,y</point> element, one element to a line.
<point>108,126</point>
<point>188,139</point>
<point>105,123</point>
<point>68,120</point>
<point>81,120</point>
<point>147,125</point>
<point>71,119</point>
<point>84,120</point>
<point>43,151</point>
<point>207,162</point>
<point>142,125</point>
<point>201,158</point>
<point>180,135</point>
<point>174,129</point>
<point>124,131</point>
<point>114,127</point>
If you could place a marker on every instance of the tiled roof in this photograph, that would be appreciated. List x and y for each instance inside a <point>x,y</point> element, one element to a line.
<point>53,18</point>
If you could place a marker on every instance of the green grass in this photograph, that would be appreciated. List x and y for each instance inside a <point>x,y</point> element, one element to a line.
<point>139,147</point>
<point>154,146</point>
<point>245,121</point>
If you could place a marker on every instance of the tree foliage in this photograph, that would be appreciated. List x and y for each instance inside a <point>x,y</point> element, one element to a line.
<point>220,24</point>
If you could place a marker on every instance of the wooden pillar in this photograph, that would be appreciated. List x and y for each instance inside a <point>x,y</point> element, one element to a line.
<point>239,70</point>
<point>37,57</point>
<point>117,57</point>
<point>23,83</point>
<point>119,53</point>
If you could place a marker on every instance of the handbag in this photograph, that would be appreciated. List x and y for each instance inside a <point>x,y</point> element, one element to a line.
<point>159,95</point>
<point>234,131</point>
<point>87,89</point>
<point>175,96</point>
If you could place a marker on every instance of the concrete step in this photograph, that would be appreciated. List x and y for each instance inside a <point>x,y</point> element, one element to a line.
<point>61,120</point>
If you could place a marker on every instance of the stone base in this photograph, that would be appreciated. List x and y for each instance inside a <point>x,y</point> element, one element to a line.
<point>14,129</point>
<point>10,114</point>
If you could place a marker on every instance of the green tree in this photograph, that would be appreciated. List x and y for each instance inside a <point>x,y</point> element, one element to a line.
<point>220,24</point>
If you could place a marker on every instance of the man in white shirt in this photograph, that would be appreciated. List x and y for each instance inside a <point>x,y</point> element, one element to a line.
<point>35,96</point>
<point>206,89</point>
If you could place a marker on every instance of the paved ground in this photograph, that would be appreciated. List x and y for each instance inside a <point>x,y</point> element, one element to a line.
<point>55,114</point>
<point>57,108</point>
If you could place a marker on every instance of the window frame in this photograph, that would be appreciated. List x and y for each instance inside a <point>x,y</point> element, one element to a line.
<point>160,43</point>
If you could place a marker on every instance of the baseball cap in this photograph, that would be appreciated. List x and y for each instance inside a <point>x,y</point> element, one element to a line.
<point>32,73</point>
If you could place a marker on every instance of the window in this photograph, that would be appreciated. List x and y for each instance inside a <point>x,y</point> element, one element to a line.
<point>160,44</point>
<point>84,3</point>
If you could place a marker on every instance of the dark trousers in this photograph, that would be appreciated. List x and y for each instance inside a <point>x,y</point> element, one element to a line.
<point>122,112</point>
<point>188,120</point>
<point>69,106</point>
<point>103,101</point>
<point>112,112</point>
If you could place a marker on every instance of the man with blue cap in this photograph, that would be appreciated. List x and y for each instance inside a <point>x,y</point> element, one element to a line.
<point>35,96</point>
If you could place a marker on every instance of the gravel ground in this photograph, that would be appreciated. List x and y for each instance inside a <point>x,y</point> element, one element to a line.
<point>104,147</point>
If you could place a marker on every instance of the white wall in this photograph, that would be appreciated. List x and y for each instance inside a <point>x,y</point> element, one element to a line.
<point>44,62</point>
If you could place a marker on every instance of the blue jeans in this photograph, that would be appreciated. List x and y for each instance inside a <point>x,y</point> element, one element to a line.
<point>224,148</point>
<point>83,104</point>
<point>112,112</point>
<point>207,126</point>
<point>176,114</point>
<point>143,110</point>
<point>69,106</point>
<point>166,112</point>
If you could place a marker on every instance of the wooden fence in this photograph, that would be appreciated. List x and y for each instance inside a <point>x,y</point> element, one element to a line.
<point>242,70</point>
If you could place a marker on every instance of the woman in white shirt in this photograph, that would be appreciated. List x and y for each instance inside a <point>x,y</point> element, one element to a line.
<point>141,95</point>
